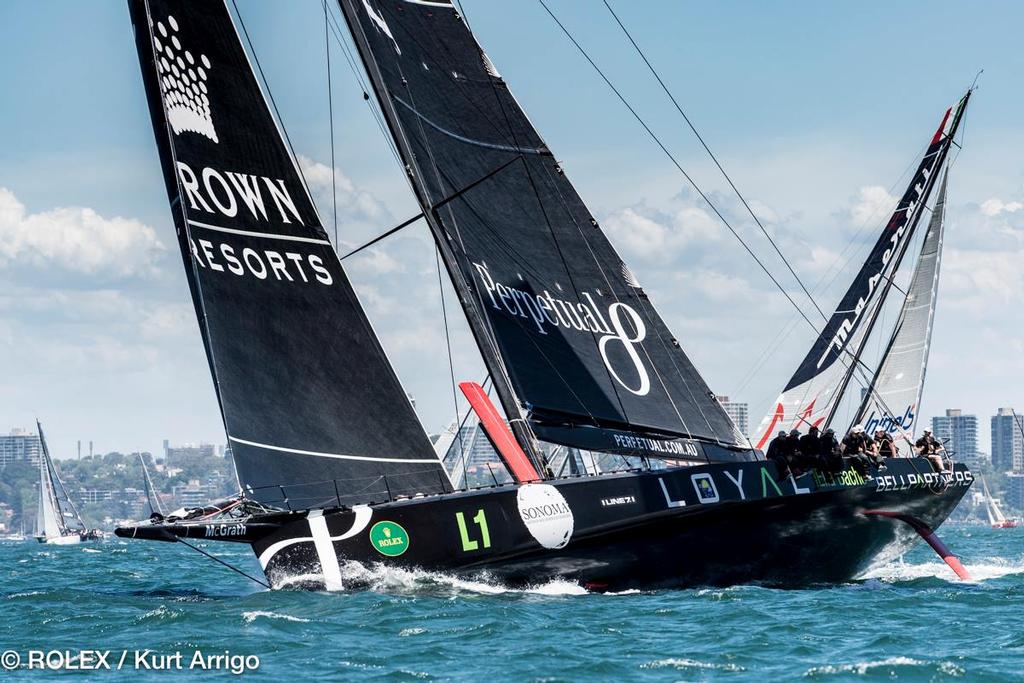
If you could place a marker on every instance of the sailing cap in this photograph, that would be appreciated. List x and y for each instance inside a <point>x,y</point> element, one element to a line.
<point>857,429</point>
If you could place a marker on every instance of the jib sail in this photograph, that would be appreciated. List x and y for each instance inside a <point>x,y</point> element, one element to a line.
<point>812,394</point>
<point>570,336</point>
<point>895,397</point>
<point>313,410</point>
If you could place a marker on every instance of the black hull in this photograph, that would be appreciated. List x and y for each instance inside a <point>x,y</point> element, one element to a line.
<point>712,525</point>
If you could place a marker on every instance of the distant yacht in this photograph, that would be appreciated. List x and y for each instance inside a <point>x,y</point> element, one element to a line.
<point>58,520</point>
<point>15,537</point>
<point>996,518</point>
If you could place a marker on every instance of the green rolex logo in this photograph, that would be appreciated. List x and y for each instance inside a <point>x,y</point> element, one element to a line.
<point>389,538</point>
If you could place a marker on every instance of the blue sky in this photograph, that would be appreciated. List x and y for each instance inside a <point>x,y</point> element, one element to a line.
<point>815,108</point>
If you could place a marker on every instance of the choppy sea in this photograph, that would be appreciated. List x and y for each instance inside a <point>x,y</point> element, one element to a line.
<point>911,620</point>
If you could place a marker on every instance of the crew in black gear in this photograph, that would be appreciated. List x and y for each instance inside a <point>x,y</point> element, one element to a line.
<point>884,446</point>
<point>779,453</point>
<point>929,447</point>
<point>829,454</point>
<point>809,450</point>
<point>795,457</point>
<point>856,448</point>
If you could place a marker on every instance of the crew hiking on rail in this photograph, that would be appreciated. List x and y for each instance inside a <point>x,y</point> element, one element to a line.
<point>794,454</point>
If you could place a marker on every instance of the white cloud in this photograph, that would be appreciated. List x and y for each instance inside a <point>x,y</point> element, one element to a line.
<point>660,237</point>
<point>872,204</point>
<point>352,201</point>
<point>994,207</point>
<point>76,239</point>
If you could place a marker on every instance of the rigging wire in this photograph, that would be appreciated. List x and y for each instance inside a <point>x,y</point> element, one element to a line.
<point>857,365</point>
<point>451,366</point>
<point>678,166</point>
<point>711,154</point>
<point>330,114</point>
<point>229,566</point>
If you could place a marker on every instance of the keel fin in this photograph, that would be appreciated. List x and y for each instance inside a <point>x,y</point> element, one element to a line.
<point>926,532</point>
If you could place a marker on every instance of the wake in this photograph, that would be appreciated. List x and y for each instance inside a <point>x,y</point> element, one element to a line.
<point>356,576</point>
<point>985,570</point>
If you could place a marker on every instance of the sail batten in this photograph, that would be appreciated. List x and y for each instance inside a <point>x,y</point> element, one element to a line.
<point>570,337</point>
<point>300,375</point>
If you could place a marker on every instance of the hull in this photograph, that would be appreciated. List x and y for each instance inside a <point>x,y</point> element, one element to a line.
<point>691,526</point>
<point>70,539</point>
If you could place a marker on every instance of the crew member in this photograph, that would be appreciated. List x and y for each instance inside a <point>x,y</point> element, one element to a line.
<point>829,454</point>
<point>929,447</point>
<point>779,453</point>
<point>857,449</point>
<point>809,450</point>
<point>795,457</point>
<point>884,447</point>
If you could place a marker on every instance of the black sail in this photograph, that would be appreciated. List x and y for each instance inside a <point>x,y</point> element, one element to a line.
<point>312,408</point>
<point>584,352</point>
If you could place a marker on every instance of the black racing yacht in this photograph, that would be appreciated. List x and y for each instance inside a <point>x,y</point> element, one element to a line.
<point>333,464</point>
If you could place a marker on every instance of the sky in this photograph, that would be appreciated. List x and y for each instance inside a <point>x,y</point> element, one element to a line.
<point>817,110</point>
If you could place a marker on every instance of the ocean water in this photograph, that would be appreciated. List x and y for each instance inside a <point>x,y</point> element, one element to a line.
<point>912,620</point>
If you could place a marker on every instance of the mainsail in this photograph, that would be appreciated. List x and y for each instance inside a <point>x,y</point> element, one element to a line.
<point>893,401</point>
<point>312,408</point>
<point>571,339</point>
<point>57,515</point>
<point>819,383</point>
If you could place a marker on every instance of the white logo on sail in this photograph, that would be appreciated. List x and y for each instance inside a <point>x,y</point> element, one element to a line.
<point>628,343</point>
<point>626,326</point>
<point>182,82</point>
<point>382,25</point>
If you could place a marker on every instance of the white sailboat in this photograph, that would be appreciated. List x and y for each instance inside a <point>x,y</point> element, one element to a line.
<point>57,521</point>
<point>996,518</point>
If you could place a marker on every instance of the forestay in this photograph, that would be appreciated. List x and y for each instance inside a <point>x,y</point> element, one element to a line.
<point>313,410</point>
<point>568,332</point>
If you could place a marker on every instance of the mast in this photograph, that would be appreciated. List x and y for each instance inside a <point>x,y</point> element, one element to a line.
<point>478,325</point>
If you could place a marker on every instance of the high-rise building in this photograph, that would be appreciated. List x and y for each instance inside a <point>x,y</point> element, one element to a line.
<point>1014,494</point>
<point>739,413</point>
<point>959,432</point>
<point>19,446</point>
<point>1007,441</point>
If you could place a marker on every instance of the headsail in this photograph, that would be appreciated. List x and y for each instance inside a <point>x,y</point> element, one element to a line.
<point>152,497</point>
<point>816,388</point>
<point>48,521</point>
<point>569,335</point>
<point>313,410</point>
<point>893,402</point>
